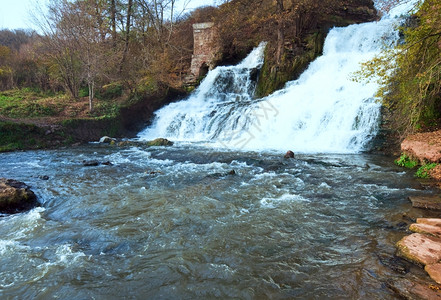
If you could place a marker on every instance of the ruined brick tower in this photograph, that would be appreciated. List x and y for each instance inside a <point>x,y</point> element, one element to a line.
<point>204,50</point>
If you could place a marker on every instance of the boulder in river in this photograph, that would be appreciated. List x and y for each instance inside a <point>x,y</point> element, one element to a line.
<point>289,154</point>
<point>95,163</point>
<point>159,142</point>
<point>16,196</point>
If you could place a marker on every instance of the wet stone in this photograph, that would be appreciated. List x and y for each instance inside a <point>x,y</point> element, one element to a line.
<point>91,163</point>
<point>407,289</point>
<point>427,202</point>
<point>434,272</point>
<point>16,196</point>
<point>159,142</point>
<point>429,221</point>
<point>426,229</point>
<point>419,248</point>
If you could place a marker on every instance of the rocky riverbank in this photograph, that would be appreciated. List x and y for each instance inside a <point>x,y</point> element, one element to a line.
<point>425,149</point>
<point>423,245</point>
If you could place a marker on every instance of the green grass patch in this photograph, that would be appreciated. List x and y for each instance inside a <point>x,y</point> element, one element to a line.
<point>29,103</point>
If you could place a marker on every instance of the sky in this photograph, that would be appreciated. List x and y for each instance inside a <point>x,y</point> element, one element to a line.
<point>16,14</point>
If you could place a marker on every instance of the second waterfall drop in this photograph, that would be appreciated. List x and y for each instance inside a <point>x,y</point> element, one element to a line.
<point>323,111</point>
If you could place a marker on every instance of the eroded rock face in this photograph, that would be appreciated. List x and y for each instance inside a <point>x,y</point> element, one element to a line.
<point>423,151</point>
<point>15,196</point>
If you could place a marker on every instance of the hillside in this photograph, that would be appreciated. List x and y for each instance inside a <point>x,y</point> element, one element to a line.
<point>84,78</point>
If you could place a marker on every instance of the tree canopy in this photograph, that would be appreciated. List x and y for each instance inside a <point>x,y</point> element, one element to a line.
<point>410,74</point>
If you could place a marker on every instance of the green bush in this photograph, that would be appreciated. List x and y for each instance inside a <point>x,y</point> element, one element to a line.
<point>423,171</point>
<point>110,91</point>
<point>406,161</point>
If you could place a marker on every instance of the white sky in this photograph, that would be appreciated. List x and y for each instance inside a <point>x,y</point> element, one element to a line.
<point>15,14</point>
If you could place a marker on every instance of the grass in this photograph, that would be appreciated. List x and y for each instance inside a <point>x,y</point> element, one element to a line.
<point>29,103</point>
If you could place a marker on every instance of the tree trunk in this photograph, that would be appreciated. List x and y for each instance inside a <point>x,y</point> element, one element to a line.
<point>113,21</point>
<point>127,36</point>
<point>280,32</point>
<point>91,85</point>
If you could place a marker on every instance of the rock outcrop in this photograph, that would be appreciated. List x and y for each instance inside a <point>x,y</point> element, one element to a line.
<point>16,196</point>
<point>424,246</point>
<point>426,147</point>
<point>159,142</point>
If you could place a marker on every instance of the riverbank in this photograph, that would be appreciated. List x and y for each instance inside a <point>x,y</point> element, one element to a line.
<point>71,123</point>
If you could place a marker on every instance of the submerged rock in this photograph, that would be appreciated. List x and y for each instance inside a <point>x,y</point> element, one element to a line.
<point>289,154</point>
<point>408,289</point>
<point>91,163</point>
<point>127,144</point>
<point>16,196</point>
<point>427,202</point>
<point>159,142</point>
<point>95,163</point>
<point>434,272</point>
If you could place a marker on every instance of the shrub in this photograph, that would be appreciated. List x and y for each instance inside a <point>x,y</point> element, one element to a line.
<point>406,161</point>
<point>423,171</point>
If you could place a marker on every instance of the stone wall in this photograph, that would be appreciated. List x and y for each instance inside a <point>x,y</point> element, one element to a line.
<point>204,50</point>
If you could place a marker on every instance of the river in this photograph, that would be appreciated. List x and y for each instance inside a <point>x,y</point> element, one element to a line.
<point>174,223</point>
<point>221,214</point>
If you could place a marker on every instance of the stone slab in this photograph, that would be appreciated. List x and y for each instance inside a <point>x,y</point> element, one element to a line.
<point>407,289</point>
<point>419,248</point>
<point>426,229</point>
<point>429,221</point>
<point>427,202</point>
<point>434,272</point>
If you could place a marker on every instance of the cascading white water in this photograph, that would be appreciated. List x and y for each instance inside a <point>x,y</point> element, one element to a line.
<point>323,111</point>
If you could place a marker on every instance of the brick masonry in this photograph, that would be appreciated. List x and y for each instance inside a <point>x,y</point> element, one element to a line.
<point>204,50</point>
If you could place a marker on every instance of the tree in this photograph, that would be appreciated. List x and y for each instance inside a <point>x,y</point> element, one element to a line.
<point>410,74</point>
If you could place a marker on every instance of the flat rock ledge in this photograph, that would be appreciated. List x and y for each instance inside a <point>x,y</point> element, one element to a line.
<point>426,202</point>
<point>16,196</point>
<point>424,246</point>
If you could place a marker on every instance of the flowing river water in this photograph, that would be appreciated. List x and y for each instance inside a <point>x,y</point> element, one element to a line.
<point>221,214</point>
<point>174,223</point>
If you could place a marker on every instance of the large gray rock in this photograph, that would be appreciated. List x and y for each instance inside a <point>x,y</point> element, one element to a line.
<point>15,196</point>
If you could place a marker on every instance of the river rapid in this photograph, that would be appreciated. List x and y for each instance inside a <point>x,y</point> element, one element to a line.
<point>176,223</point>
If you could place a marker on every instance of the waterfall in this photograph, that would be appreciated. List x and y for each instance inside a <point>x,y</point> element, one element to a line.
<point>324,110</point>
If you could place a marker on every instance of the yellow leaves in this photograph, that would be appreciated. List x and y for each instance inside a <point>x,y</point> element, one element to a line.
<point>5,52</point>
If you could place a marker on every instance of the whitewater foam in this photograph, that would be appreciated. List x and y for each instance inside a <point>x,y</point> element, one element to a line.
<point>323,111</point>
